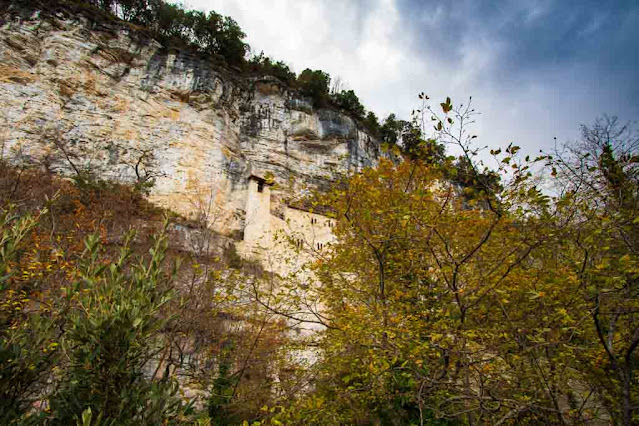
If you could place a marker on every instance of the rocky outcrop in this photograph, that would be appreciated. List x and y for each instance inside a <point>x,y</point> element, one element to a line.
<point>78,97</point>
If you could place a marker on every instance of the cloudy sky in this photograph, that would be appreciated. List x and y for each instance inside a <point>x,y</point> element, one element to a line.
<point>535,69</point>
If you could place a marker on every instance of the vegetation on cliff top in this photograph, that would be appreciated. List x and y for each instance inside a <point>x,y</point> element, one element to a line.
<point>219,37</point>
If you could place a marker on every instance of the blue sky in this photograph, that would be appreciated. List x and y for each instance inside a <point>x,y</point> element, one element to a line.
<point>535,69</point>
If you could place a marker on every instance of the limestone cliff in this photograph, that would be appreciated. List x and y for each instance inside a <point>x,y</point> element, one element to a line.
<point>74,94</point>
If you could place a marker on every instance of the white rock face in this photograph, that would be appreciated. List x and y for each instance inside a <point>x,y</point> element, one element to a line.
<point>107,100</point>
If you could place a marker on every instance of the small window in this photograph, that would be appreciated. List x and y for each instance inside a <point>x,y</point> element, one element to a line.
<point>260,186</point>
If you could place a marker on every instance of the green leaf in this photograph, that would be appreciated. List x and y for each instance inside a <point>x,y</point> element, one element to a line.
<point>86,417</point>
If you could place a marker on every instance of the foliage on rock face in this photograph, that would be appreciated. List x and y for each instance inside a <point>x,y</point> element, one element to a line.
<point>262,64</point>
<point>390,131</point>
<point>315,84</point>
<point>349,102</point>
<point>371,123</point>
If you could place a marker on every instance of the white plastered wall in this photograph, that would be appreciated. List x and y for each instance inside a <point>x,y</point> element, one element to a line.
<point>282,245</point>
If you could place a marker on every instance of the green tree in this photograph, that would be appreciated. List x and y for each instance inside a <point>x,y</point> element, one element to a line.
<point>597,179</point>
<point>371,123</point>
<point>264,65</point>
<point>210,33</point>
<point>113,333</point>
<point>391,130</point>
<point>410,137</point>
<point>348,101</point>
<point>314,84</point>
<point>472,308</point>
<point>27,340</point>
<point>229,43</point>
